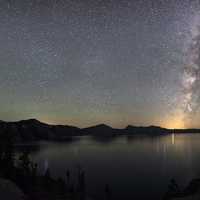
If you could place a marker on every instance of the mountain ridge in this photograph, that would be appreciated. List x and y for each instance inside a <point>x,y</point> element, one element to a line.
<point>34,130</point>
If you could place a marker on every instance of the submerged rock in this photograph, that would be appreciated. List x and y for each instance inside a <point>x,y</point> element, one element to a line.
<point>8,191</point>
<point>191,192</point>
<point>192,197</point>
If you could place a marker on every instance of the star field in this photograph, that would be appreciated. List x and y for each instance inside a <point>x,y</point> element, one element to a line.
<point>87,62</point>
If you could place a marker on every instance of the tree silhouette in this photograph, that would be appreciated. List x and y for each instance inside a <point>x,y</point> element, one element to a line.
<point>25,163</point>
<point>7,157</point>
<point>108,194</point>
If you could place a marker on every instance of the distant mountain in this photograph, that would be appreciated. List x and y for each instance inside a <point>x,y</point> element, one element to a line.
<point>34,130</point>
<point>146,130</point>
<point>101,130</point>
<point>189,130</point>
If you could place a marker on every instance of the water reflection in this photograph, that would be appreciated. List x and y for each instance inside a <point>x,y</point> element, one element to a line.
<point>138,167</point>
<point>173,138</point>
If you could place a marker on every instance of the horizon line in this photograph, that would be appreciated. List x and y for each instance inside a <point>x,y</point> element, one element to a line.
<point>138,126</point>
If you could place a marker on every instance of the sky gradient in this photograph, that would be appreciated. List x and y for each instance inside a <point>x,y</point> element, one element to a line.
<point>106,61</point>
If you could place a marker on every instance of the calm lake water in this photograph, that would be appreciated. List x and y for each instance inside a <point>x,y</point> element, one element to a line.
<point>134,167</point>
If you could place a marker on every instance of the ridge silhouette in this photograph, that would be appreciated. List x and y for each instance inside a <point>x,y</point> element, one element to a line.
<point>35,130</point>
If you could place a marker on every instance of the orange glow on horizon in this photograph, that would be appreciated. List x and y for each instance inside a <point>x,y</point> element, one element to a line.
<point>175,122</point>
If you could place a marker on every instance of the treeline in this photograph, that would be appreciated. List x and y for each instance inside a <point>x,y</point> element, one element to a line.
<point>24,173</point>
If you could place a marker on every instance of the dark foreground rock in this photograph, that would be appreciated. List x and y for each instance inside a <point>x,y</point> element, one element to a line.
<point>9,191</point>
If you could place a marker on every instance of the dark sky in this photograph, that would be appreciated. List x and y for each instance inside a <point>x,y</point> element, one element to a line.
<point>84,62</point>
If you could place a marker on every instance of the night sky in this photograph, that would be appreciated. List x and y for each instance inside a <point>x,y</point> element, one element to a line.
<point>84,62</point>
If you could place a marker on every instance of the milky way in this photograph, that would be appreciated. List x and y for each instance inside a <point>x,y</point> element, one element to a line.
<point>105,61</point>
<point>191,72</point>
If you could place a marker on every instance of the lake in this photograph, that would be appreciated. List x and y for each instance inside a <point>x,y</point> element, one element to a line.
<point>136,167</point>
